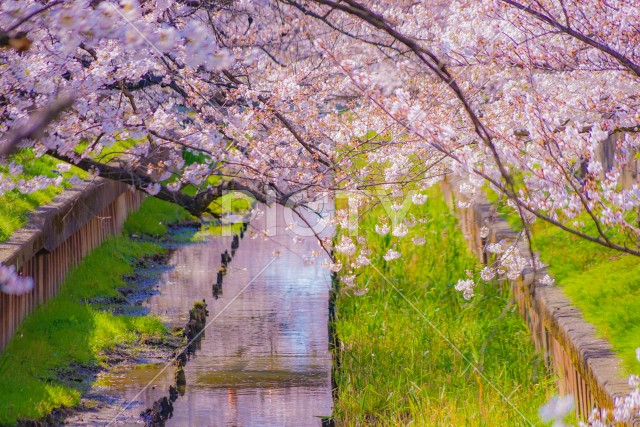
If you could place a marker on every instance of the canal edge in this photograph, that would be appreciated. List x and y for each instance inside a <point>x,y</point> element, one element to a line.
<point>335,346</point>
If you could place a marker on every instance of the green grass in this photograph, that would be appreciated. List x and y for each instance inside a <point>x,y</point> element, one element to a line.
<point>154,216</point>
<point>234,202</point>
<point>151,220</point>
<point>14,206</point>
<point>399,365</point>
<point>107,154</point>
<point>67,331</point>
<point>603,283</point>
<point>208,230</point>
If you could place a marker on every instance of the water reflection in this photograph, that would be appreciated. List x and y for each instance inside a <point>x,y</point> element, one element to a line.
<point>262,362</point>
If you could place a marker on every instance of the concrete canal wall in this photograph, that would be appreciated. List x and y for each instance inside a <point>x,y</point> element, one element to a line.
<point>586,365</point>
<point>56,238</point>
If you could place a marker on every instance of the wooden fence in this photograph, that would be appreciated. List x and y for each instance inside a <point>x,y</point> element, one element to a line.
<point>57,237</point>
<point>586,365</point>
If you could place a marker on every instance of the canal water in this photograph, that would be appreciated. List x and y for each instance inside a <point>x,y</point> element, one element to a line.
<point>263,359</point>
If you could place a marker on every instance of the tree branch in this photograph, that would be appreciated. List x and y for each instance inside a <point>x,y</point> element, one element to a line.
<point>623,60</point>
<point>196,205</point>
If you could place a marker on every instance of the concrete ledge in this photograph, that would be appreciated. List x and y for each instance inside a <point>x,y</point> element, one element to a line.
<point>53,223</point>
<point>57,236</point>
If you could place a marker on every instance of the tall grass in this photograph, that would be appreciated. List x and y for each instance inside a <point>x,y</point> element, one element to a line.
<point>410,345</point>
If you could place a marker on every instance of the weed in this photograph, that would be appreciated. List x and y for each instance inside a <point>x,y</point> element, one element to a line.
<point>399,365</point>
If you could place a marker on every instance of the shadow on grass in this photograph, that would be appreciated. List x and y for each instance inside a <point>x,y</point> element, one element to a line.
<point>51,358</point>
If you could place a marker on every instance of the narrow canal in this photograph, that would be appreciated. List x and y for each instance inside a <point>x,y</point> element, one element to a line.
<point>263,359</point>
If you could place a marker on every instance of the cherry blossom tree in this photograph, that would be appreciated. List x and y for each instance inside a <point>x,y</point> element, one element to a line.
<point>291,100</point>
<point>519,95</point>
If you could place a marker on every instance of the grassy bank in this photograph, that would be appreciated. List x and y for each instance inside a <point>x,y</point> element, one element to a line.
<point>154,217</point>
<point>603,283</point>
<point>399,363</point>
<point>69,335</point>
<point>15,206</point>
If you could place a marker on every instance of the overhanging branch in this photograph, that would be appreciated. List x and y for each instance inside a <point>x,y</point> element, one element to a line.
<point>196,205</point>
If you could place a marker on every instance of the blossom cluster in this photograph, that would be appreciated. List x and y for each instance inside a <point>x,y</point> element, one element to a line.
<point>466,286</point>
<point>209,94</point>
<point>13,283</point>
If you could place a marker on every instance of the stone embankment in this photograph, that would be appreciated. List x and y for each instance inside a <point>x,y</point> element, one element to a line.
<point>586,365</point>
<point>58,235</point>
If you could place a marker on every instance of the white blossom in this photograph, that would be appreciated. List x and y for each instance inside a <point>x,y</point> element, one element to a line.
<point>401,230</point>
<point>418,241</point>
<point>348,280</point>
<point>382,229</point>
<point>494,248</point>
<point>360,291</point>
<point>556,409</point>
<point>12,283</point>
<point>362,260</point>
<point>391,255</point>
<point>487,273</point>
<point>63,167</point>
<point>547,280</point>
<point>419,199</point>
<point>346,246</point>
<point>466,287</point>
<point>335,267</point>
<point>153,189</point>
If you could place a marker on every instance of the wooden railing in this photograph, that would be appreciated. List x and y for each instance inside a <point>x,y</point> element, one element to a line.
<point>57,237</point>
<point>586,365</point>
